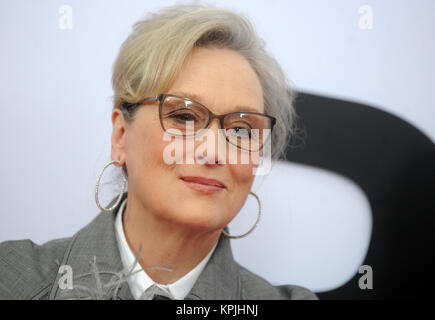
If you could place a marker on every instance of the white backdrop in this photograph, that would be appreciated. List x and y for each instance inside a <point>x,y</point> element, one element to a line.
<point>56,107</point>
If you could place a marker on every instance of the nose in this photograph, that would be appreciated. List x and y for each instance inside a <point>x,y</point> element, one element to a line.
<point>214,145</point>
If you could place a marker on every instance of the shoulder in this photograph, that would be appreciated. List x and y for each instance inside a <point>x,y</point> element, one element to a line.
<point>255,287</point>
<point>28,270</point>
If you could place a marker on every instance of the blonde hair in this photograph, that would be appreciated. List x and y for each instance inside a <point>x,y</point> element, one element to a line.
<point>153,54</point>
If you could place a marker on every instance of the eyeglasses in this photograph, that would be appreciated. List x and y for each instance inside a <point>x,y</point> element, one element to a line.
<point>246,130</point>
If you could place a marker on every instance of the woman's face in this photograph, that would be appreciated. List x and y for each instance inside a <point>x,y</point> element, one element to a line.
<point>222,80</point>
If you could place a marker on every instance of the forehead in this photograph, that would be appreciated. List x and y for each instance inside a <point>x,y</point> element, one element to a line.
<point>233,108</point>
<point>220,79</point>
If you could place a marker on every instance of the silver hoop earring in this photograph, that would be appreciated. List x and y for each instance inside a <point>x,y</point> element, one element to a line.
<point>97,186</point>
<point>255,225</point>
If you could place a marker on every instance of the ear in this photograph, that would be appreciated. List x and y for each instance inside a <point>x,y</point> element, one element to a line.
<point>118,137</point>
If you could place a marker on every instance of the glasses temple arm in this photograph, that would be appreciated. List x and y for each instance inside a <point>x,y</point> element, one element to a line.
<point>128,105</point>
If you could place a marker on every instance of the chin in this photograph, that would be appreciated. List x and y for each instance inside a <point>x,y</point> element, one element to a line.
<point>203,218</point>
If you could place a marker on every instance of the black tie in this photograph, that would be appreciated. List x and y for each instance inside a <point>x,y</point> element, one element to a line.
<point>156,293</point>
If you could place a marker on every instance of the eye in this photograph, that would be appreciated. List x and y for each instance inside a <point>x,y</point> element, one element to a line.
<point>182,116</point>
<point>243,132</point>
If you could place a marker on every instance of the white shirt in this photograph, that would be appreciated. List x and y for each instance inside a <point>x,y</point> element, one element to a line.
<point>140,281</point>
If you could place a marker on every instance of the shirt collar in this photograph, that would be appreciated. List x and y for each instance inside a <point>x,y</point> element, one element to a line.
<point>140,281</point>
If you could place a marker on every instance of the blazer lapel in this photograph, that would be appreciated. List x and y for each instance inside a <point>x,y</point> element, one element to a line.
<point>220,278</point>
<point>94,248</point>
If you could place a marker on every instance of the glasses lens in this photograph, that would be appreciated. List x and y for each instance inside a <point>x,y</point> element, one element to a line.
<point>247,131</point>
<point>182,116</point>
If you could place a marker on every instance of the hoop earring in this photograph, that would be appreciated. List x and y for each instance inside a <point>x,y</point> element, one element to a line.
<point>97,186</point>
<point>255,225</point>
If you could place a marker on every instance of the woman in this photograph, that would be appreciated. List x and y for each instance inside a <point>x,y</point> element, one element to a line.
<point>185,73</point>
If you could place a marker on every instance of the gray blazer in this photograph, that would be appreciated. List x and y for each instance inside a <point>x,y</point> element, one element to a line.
<point>30,271</point>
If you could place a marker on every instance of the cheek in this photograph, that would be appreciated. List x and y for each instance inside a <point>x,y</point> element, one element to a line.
<point>243,174</point>
<point>150,178</point>
<point>152,149</point>
<point>144,150</point>
<point>242,182</point>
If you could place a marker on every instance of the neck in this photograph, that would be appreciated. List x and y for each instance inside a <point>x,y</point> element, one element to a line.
<point>165,243</point>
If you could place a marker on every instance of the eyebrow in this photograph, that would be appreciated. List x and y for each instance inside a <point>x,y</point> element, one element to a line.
<point>197,98</point>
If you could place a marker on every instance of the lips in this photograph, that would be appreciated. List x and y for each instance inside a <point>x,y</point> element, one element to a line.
<point>202,184</point>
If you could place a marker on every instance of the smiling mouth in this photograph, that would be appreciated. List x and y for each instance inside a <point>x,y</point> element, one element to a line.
<point>203,185</point>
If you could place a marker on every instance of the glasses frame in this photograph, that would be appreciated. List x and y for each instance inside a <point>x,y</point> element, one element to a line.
<point>221,117</point>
